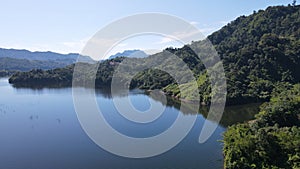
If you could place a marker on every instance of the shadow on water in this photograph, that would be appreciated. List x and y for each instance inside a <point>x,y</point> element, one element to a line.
<point>100,91</point>
<point>231,115</point>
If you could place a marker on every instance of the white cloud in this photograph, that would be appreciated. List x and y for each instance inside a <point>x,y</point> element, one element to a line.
<point>182,37</point>
<point>205,29</point>
<point>151,51</point>
<point>122,44</point>
<point>208,30</point>
<point>75,46</point>
<point>224,22</point>
<point>165,40</point>
<point>194,23</point>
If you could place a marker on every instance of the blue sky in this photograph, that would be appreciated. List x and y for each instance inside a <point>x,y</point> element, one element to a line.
<point>64,25</point>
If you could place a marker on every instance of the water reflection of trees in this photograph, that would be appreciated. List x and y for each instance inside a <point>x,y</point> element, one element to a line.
<point>231,115</point>
<point>100,91</point>
<point>41,86</point>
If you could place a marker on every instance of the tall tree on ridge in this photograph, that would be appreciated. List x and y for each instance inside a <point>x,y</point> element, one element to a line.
<point>294,3</point>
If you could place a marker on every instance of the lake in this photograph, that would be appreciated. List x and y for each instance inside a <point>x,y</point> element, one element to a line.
<point>39,129</point>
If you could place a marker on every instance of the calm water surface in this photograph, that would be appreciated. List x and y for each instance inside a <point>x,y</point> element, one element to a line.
<point>39,129</point>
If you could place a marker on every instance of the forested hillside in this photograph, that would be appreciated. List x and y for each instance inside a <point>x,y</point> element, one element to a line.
<point>11,64</point>
<point>272,140</point>
<point>258,52</point>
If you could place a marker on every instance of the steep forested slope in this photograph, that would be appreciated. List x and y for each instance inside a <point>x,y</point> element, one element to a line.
<point>272,140</point>
<point>260,50</point>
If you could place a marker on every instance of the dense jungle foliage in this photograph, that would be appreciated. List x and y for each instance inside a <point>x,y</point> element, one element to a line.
<point>272,140</point>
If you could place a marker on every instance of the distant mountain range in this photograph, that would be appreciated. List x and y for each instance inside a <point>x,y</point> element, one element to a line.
<point>13,64</point>
<point>130,53</point>
<point>12,60</point>
<point>41,56</point>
